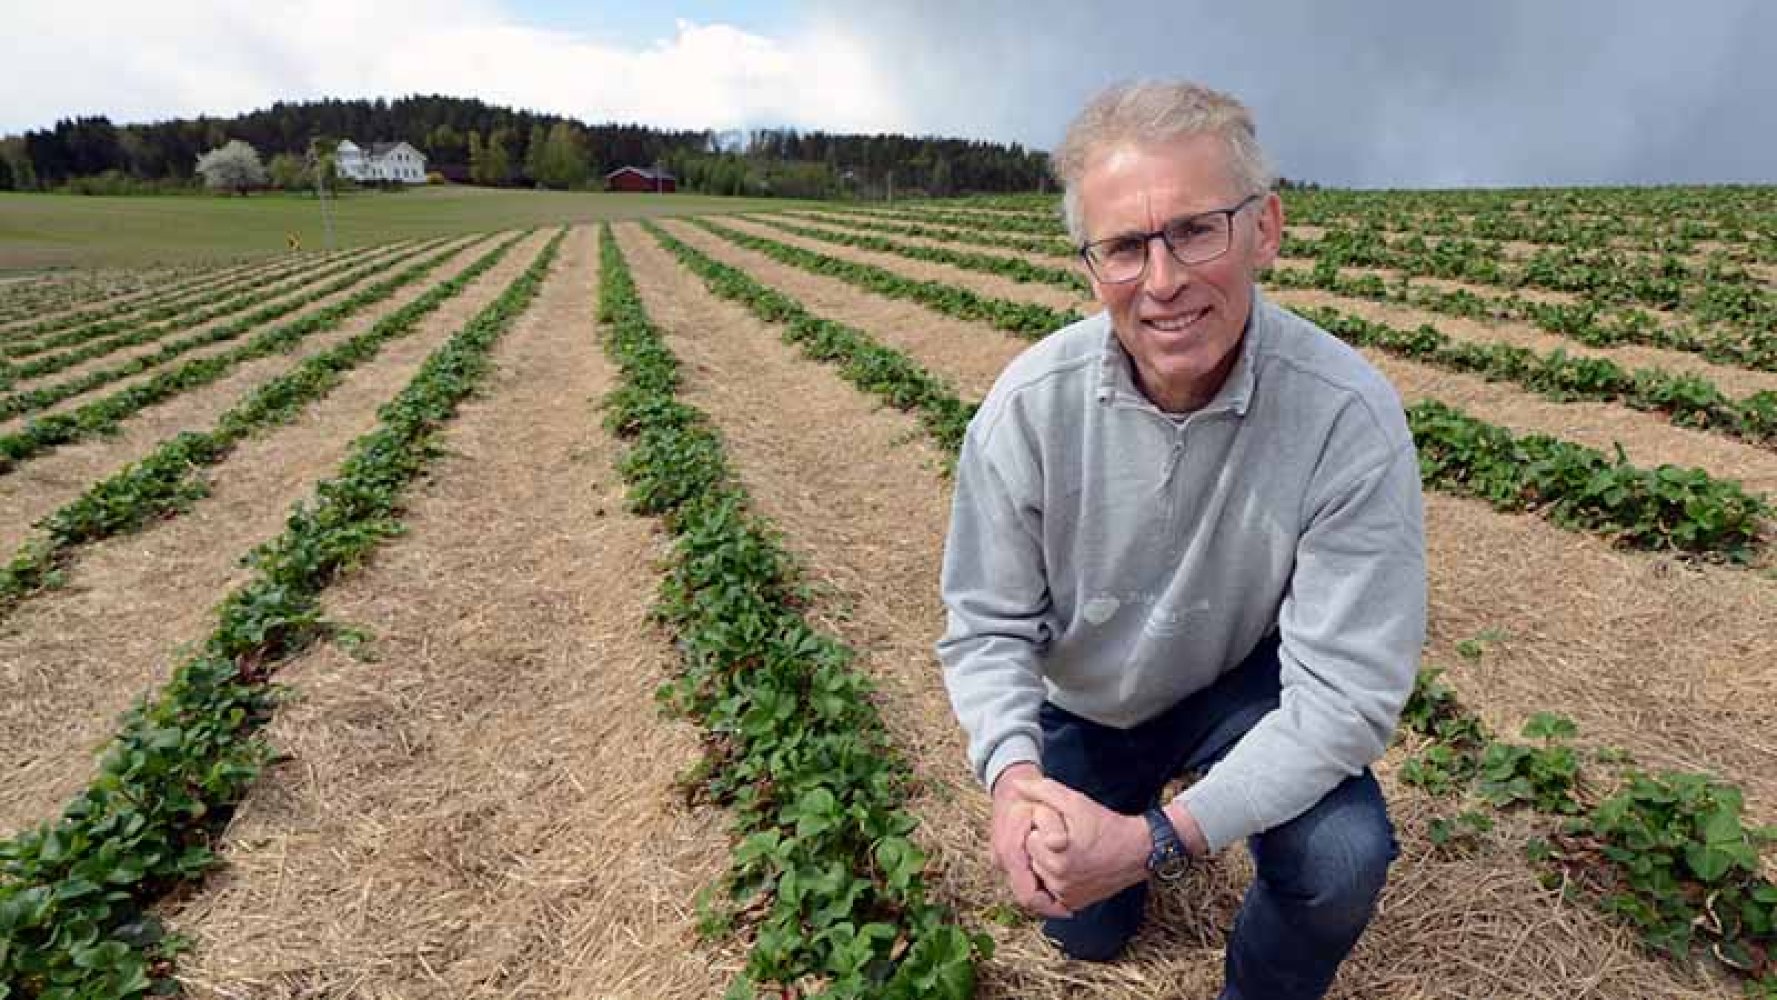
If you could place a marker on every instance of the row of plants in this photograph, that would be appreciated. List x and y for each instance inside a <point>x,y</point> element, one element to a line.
<point>1687,400</point>
<point>825,878</point>
<point>1588,232</point>
<point>23,300</point>
<point>1586,322</point>
<point>1710,294</point>
<point>197,315</point>
<point>103,415</point>
<point>1713,292</point>
<point>149,313</point>
<point>170,479</point>
<point>1659,236</point>
<point>1744,219</point>
<point>900,224</point>
<point>1006,267</point>
<point>75,894</point>
<point>62,331</point>
<point>156,296</point>
<point>863,361</point>
<point>1668,853</point>
<point>1551,218</point>
<point>1022,318</point>
<point>1044,224</point>
<point>83,288</point>
<point>1665,508</point>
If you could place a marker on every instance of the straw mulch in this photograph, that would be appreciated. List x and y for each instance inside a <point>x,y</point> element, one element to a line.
<point>480,801</point>
<point>870,533</point>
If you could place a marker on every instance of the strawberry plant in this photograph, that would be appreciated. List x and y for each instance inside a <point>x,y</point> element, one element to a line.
<point>103,415</point>
<point>45,396</point>
<point>1665,508</point>
<point>1022,318</point>
<point>1009,267</point>
<point>824,878</point>
<point>864,362</point>
<point>167,480</point>
<point>1668,854</point>
<point>1543,776</point>
<point>145,330</point>
<point>1671,855</point>
<point>75,894</point>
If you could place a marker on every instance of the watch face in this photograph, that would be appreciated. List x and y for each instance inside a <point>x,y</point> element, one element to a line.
<point>1173,868</point>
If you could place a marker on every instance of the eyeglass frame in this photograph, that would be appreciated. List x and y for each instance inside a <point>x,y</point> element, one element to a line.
<point>1148,238</point>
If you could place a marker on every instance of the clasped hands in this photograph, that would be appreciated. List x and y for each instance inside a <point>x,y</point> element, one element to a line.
<point>1060,850</point>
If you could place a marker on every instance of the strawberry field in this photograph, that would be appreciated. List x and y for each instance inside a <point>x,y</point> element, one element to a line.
<point>549,612</point>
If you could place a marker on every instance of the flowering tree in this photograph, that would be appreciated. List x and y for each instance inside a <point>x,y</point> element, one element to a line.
<point>234,167</point>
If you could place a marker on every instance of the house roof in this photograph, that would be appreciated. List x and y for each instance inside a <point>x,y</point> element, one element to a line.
<point>642,172</point>
<point>385,148</point>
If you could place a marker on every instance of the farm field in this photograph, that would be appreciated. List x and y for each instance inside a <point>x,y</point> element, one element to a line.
<point>53,232</point>
<point>483,608</point>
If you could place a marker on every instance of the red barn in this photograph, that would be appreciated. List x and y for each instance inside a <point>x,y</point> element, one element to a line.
<point>640,179</point>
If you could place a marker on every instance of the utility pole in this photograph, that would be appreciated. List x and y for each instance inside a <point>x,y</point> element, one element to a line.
<point>317,163</point>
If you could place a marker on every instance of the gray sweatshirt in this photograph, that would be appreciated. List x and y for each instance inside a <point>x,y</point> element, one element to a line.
<point>1114,560</point>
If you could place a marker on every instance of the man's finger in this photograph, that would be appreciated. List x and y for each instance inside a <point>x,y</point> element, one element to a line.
<point>1053,794</point>
<point>1024,883</point>
<point>1049,828</point>
<point>1044,904</point>
<point>1028,889</point>
<point>1049,906</point>
<point>1048,868</point>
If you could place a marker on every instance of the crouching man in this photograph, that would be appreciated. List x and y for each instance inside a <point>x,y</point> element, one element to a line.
<point>1187,536</point>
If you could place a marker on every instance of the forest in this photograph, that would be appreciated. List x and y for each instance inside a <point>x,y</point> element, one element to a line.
<point>471,141</point>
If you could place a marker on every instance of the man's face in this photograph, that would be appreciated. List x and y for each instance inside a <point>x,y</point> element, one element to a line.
<point>1180,323</point>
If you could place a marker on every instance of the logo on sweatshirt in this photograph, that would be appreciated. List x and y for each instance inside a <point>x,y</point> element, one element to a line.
<point>1100,609</point>
<point>1161,620</point>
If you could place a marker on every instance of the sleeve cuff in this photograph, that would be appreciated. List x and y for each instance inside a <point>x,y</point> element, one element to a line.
<point>1221,811</point>
<point>1016,749</point>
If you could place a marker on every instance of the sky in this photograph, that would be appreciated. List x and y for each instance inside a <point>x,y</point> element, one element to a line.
<point>1368,93</point>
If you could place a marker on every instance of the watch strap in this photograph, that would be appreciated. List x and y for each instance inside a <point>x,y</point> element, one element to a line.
<point>1168,858</point>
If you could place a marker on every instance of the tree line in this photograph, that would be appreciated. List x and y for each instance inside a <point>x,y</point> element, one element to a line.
<point>470,141</point>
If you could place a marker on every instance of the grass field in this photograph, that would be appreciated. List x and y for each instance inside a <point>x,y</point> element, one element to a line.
<point>40,232</point>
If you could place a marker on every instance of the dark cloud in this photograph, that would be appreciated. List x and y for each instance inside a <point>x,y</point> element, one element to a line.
<point>1375,92</point>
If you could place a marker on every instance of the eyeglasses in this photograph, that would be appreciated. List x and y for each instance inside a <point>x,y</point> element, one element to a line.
<point>1192,239</point>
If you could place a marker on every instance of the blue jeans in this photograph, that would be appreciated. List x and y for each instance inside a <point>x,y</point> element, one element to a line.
<point>1318,875</point>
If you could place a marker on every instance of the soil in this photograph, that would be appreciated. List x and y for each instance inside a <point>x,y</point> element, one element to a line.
<point>43,484</point>
<point>484,805</point>
<point>73,658</point>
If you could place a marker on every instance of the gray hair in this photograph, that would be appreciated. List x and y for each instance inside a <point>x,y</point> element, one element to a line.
<point>1153,111</point>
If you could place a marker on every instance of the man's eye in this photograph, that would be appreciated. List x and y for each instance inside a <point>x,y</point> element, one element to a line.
<point>1124,248</point>
<point>1184,232</point>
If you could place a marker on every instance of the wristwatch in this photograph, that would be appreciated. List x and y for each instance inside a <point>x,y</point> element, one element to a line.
<point>1168,859</point>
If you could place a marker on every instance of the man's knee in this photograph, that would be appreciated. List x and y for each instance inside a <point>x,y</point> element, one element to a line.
<point>1345,887</point>
<point>1100,932</point>
<point>1331,863</point>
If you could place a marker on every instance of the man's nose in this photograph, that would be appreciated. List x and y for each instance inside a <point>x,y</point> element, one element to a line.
<point>1165,275</point>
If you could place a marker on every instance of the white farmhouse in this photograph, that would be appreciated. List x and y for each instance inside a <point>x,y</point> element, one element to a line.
<point>384,161</point>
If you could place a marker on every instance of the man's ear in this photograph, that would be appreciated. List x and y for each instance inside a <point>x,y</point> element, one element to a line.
<point>1270,226</point>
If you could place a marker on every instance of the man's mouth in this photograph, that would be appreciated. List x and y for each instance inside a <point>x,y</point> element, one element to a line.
<point>1175,323</point>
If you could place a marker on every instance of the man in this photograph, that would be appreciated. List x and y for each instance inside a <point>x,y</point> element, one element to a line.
<point>1187,537</point>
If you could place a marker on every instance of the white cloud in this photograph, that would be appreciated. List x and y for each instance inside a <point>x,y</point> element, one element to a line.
<point>139,62</point>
